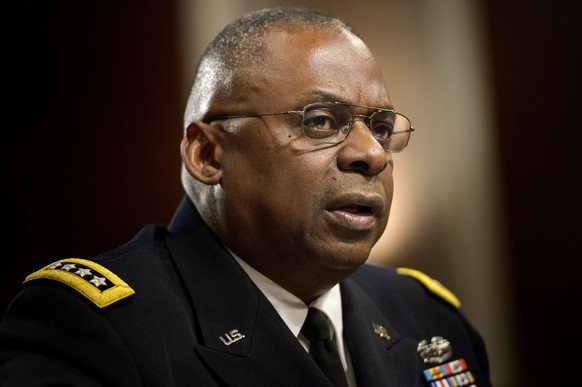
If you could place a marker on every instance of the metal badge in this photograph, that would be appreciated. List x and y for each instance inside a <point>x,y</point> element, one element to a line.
<point>437,351</point>
<point>231,337</point>
<point>381,331</point>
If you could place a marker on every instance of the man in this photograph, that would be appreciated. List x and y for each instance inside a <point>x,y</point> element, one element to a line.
<point>287,168</point>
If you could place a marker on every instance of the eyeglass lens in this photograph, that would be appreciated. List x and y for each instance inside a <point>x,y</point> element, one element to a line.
<point>331,123</point>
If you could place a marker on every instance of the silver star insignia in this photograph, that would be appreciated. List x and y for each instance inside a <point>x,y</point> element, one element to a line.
<point>83,272</point>
<point>69,266</point>
<point>52,267</point>
<point>98,281</point>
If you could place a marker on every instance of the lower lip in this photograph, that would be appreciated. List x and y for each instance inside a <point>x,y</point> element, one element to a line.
<point>352,220</point>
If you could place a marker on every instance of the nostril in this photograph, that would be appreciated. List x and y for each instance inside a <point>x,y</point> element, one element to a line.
<point>360,165</point>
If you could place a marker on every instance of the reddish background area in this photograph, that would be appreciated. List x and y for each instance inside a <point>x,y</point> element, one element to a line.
<point>92,121</point>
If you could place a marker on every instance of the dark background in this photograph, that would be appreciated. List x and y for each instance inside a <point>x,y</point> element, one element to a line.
<point>536,62</point>
<point>92,119</point>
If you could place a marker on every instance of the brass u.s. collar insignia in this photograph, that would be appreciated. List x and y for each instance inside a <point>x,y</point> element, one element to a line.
<point>437,351</point>
<point>381,331</point>
<point>231,337</point>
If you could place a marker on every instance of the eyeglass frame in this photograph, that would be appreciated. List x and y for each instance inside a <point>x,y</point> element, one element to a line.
<point>355,117</point>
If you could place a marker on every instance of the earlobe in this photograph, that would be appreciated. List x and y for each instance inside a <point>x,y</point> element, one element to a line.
<point>201,153</point>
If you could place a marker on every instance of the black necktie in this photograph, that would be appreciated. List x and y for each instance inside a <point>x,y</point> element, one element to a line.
<point>322,349</point>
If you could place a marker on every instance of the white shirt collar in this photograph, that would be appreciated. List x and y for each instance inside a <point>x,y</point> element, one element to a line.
<point>292,310</point>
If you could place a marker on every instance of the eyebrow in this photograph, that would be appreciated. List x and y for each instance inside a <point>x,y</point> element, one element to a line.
<point>322,96</point>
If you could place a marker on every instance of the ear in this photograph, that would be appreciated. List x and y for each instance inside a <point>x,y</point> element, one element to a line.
<point>201,152</point>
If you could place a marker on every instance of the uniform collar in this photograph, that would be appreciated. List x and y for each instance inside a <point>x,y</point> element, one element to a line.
<point>293,311</point>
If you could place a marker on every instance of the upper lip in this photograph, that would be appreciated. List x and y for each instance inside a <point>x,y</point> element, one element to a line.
<point>365,202</point>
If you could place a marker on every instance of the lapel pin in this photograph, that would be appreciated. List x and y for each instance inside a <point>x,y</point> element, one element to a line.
<point>381,331</point>
<point>231,337</point>
<point>437,351</point>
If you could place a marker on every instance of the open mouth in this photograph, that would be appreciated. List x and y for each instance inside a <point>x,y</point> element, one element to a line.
<point>354,209</point>
<point>357,204</point>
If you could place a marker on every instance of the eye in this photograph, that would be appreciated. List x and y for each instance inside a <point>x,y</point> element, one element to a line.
<point>319,123</point>
<point>382,125</point>
<point>382,130</point>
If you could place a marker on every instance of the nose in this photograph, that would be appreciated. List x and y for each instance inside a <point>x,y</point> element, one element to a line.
<point>361,152</point>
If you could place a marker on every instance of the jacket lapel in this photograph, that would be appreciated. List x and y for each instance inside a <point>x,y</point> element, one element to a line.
<point>240,336</point>
<point>379,355</point>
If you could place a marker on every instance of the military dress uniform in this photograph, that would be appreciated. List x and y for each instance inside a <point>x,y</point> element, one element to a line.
<point>172,307</point>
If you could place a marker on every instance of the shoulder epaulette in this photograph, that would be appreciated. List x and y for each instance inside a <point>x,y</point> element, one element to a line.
<point>431,284</point>
<point>92,280</point>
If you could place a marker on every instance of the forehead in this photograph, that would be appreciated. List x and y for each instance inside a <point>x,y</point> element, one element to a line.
<point>303,62</point>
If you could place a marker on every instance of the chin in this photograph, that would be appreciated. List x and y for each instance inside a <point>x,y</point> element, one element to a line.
<point>349,258</point>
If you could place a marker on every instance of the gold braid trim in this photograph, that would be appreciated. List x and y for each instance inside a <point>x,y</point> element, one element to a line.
<point>92,280</point>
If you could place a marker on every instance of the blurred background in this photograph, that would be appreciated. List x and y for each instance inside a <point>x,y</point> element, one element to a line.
<point>487,195</point>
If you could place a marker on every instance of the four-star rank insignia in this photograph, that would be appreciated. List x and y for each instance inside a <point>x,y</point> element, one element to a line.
<point>95,282</point>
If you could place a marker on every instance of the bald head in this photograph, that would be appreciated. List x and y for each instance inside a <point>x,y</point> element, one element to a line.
<point>238,56</point>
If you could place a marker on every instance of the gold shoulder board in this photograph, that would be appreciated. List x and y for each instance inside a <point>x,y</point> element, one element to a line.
<point>432,285</point>
<point>90,279</point>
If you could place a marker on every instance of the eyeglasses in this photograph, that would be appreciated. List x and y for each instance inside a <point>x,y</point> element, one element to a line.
<point>330,123</point>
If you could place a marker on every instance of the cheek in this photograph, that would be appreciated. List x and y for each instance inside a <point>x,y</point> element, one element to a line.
<point>266,174</point>
<point>296,189</point>
<point>295,180</point>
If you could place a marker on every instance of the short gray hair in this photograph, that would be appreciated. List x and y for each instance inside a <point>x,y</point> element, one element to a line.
<point>239,47</point>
